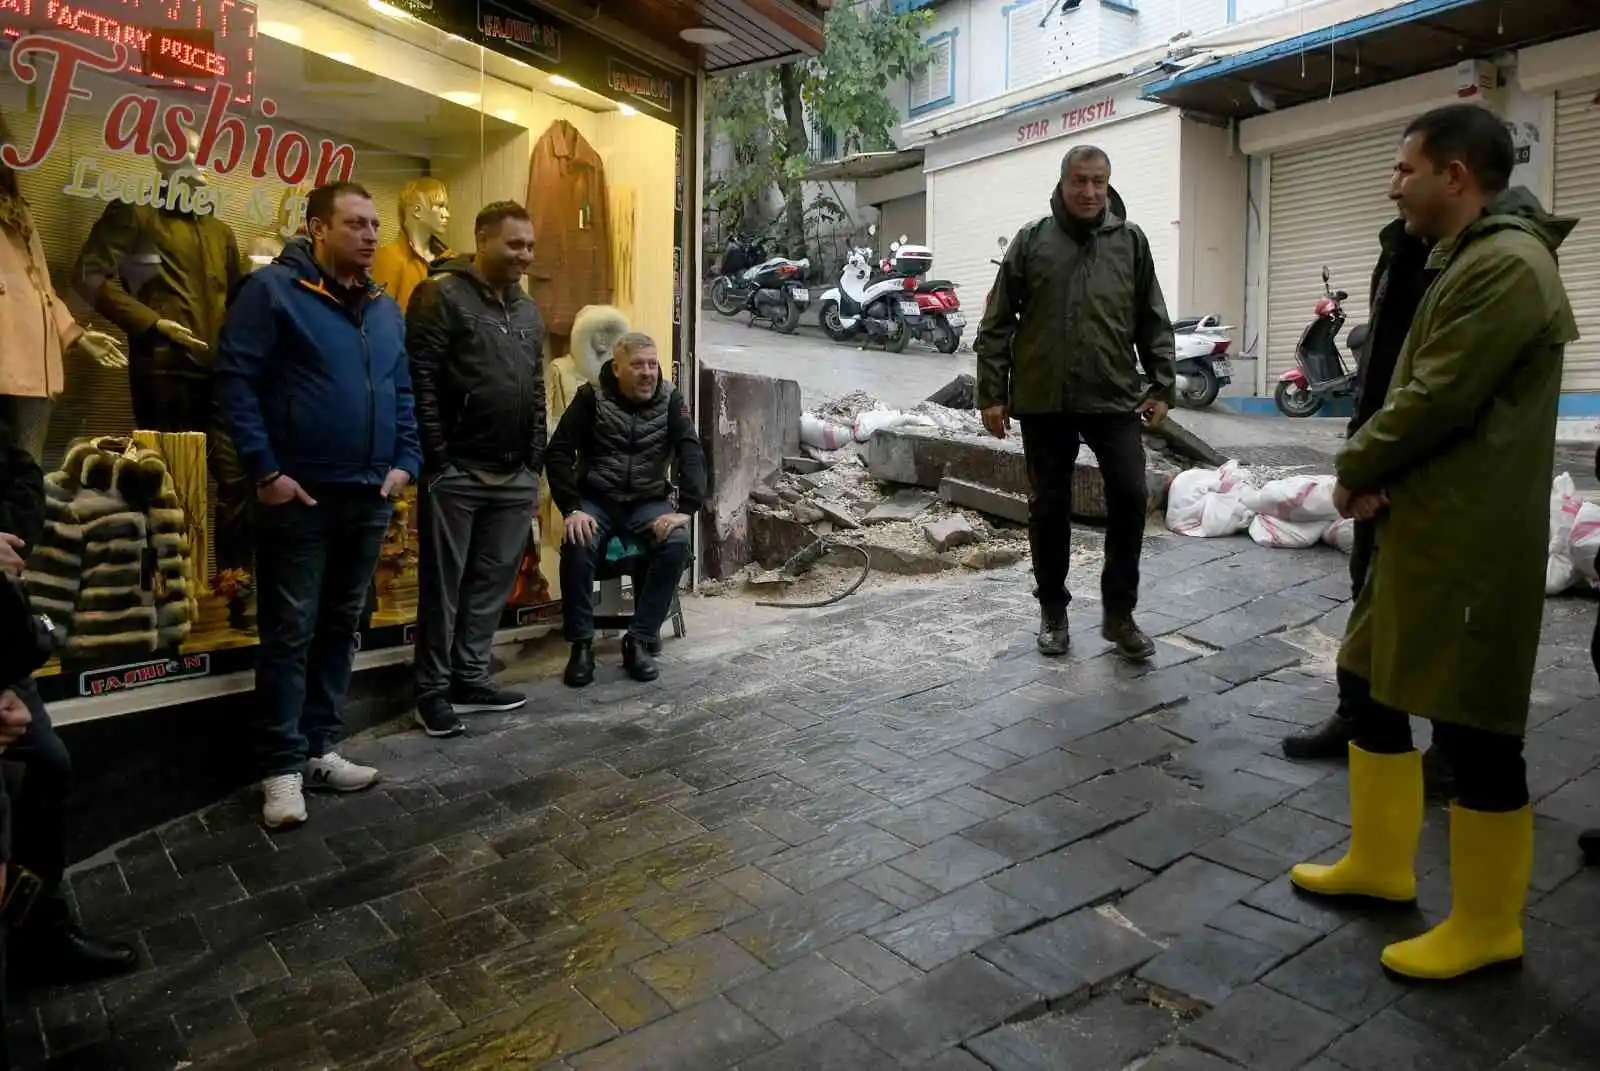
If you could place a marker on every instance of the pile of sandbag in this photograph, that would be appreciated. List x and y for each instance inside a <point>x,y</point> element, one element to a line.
<point>825,434</point>
<point>1574,538</point>
<point>1293,512</point>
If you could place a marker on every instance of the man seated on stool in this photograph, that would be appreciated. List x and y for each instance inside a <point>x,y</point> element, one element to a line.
<point>607,465</point>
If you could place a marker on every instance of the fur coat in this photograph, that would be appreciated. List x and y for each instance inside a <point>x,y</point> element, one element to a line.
<point>113,569</point>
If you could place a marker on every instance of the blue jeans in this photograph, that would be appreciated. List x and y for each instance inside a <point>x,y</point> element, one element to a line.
<point>652,597</point>
<point>313,578</point>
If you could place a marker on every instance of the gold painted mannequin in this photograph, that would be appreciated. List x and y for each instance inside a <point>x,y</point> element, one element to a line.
<point>424,213</point>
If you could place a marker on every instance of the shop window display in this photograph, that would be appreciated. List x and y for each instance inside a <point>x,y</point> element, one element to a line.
<point>152,152</point>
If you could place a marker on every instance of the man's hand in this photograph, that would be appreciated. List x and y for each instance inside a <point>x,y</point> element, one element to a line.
<point>180,335</point>
<point>1360,506</point>
<point>666,524</point>
<point>282,491</point>
<point>14,718</point>
<point>996,419</point>
<point>580,528</point>
<point>396,482</point>
<point>102,349</point>
<point>1154,412</point>
<point>12,563</point>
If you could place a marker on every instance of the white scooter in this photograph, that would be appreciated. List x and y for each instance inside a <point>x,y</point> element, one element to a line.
<point>884,309</point>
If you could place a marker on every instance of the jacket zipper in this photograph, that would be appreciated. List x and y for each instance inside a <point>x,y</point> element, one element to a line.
<point>372,398</point>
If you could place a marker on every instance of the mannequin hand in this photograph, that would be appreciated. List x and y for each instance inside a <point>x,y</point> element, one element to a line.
<point>181,335</point>
<point>102,349</point>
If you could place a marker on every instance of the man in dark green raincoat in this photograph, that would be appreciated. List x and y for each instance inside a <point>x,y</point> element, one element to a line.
<point>1456,466</point>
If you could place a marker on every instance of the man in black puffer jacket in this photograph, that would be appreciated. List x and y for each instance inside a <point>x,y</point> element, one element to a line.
<point>608,468</point>
<point>476,343</point>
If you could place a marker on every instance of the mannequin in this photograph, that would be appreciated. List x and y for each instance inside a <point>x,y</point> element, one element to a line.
<point>39,328</point>
<point>424,215</point>
<point>163,272</point>
<point>290,222</point>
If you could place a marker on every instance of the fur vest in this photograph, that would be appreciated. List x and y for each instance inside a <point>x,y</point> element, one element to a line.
<point>112,569</point>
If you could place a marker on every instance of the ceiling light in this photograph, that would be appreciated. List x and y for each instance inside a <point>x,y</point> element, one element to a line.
<point>508,114</point>
<point>566,83</point>
<point>283,31</point>
<point>342,57</point>
<point>706,35</point>
<point>388,9</point>
<point>627,109</point>
<point>464,97</point>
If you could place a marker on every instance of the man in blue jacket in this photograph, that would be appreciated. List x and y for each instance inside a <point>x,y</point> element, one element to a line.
<point>313,383</point>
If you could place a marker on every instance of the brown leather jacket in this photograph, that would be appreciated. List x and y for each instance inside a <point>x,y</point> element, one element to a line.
<point>572,238</point>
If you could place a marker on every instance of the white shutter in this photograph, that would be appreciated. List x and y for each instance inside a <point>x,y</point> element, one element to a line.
<point>1028,45</point>
<point>973,204</point>
<point>1325,206</point>
<point>933,83</point>
<point>1577,193</point>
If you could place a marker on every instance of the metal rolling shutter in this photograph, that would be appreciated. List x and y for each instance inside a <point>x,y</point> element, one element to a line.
<point>1577,193</point>
<point>1325,206</point>
<point>973,204</point>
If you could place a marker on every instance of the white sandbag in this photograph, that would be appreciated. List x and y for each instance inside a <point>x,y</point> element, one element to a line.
<point>1286,535</point>
<point>824,434</point>
<point>874,419</point>
<point>1564,506</point>
<point>1295,498</point>
<point>1585,542</point>
<point>1341,534</point>
<point>1206,503</point>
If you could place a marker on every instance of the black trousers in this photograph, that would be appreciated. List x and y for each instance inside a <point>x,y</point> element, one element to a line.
<point>1050,448</point>
<point>173,401</point>
<point>1490,772</point>
<point>39,809</point>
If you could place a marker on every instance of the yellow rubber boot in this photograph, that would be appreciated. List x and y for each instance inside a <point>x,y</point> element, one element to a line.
<point>1385,825</point>
<point>1491,861</point>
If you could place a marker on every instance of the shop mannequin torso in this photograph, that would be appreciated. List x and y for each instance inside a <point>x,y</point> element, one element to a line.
<point>404,262</point>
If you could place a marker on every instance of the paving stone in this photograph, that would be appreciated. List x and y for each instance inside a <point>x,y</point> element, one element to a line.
<point>526,872</point>
<point>1264,1030</point>
<point>1389,1039</point>
<point>1160,837</point>
<point>830,1047</point>
<point>1241,921</point>
<point>1107,1032</point>
<point>797,997</point>
<point>948,864</point>
<point>1041,827</point>
<point>691,861</point>
<point>136,999</point>
<point>174,942</point>
<point>284,1003</point>
<point>524,1037</point>
<point>920,780</point>
<point>623,997</point>
<point>834,857</point>
<point>689,972</point>
<point>1029,737</point>
<point>871,963</point>
<point>759,889</point>
<point>421,952</point>
<point>472,994</point>
<point>1035,778</point>
<point>791,930</point>
<point>289,865</point>
<point>1290,834</point>
<point>375,880</point>
<point>1324,914</point>
<point>1074,877</point>
<point>609,843</point>
<point>939,1011</point>
<point>1270,613</point>
<point>1130,744</point>
<point>1184,896</point>
<point>942,929</point>
<point>296,1049</point>
<point>1128,794</point>
<point>926,821</point>
<point>706,907</point>
<point>1086,948</point>
<point>396,1019</point>
<point>711,1034</point>
<point>1208,965</point>
<point>978,802</point>
<point>1183,1058</point>
<point>627,888</point>
<point>1341,974</point>
<point>1255,658</point>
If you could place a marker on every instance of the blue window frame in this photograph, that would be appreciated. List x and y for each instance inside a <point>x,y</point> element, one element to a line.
<point>1127,7</point>
<point>940,74</point>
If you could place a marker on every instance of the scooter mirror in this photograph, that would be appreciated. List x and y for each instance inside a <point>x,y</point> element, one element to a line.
<point>872,230</point>
<point>894,247</point>
<point>903,239</point>
<point>1002,242</point>
<point>1325,275</point>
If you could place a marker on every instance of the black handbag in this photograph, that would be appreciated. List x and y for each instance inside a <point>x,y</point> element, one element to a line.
<point>27,639</point>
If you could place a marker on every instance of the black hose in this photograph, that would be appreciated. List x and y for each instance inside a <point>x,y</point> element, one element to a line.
<point>813,553</point>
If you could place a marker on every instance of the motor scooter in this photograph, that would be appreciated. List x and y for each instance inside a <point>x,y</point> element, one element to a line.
<point>1320,374</point>
<point>1201,352</point>
<point>772,289</point>
<point>879,307</point>
<point>942,322</point>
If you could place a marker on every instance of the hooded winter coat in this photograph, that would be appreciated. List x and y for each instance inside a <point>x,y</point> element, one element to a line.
<point>1447,626</point>
<point>1070,306</point>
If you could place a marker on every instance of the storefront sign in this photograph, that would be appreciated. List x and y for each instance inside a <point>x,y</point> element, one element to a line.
<point>1068,121</point>
<point>1071,116</point>
<point>512,31</point>
<point>626,80</point>
<point>143,674</point>
<point>677,158</point>
<point>141,125</point>
<point>677,284</point>
<point>180,42</point>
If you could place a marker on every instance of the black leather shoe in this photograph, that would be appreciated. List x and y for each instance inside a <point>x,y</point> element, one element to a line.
<point>1589,842</point>
<point>1054,639</point>
<point>1128,639</point>
<point>60,953</point>
<point>1329,740</point>
<point>580,666</point>
<point>637,659</point>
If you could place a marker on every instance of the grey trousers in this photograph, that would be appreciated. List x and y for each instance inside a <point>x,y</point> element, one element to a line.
<point>473,536</point>
<point>29,419</point>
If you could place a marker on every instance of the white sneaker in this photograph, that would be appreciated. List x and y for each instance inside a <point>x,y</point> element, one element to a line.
<point>334,773</point>
<point>283,804</point>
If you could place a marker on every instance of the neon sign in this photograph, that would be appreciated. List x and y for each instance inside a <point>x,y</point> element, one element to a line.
<point>185,43</point>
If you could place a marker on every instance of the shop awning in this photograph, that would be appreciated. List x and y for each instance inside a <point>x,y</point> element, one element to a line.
<point>753,32</point>
<point>860,166</point>
<point>1398,42</point>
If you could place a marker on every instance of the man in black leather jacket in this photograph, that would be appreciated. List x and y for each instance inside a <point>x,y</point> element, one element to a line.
<point>475,341</point>
<point>1399,281</point>
<point>48,947</point>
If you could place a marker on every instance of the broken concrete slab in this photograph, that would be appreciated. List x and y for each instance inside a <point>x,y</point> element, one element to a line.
<point>991,557</point>
<point>802,465</point>
<point>837,514</point>
<point>774,538</point>
<point>748,425</point>
<point>950,532</point>
<point>1187,444</point>
<point>985,500</point>
<point>806,512</point>
<point>904,505</point>
<point>960,393</point>
<point>901,561</point>
<point>766,496</point>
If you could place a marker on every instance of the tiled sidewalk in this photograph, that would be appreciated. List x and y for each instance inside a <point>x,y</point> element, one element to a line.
<point>884,835</point>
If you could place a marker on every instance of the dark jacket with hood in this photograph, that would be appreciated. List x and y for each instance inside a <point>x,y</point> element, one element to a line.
<point>1399,280</point>
<point>313,380</point>
<point>477,366</point>
<point>1071,304</point>
<point>1448,628</point>
<point>21,515</point>
<point>616,452</point>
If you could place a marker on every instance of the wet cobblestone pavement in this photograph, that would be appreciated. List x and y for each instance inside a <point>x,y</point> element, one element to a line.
<point>887,834</point>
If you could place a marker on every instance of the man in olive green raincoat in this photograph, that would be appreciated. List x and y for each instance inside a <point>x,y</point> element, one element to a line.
<point>1456,466</point>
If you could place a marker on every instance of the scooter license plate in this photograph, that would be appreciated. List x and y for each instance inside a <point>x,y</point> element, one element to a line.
<point>955,319</point>
<point>1222,368</point>
<point>910,308</point>
<point>801,296</point>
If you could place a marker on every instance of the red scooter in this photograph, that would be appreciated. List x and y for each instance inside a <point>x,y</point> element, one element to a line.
<point>941,322</point>
<point>1319,375</point>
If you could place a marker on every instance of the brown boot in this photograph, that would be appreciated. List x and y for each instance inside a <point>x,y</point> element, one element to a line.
<point>1328,740</point>
<point>1128,639</point>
